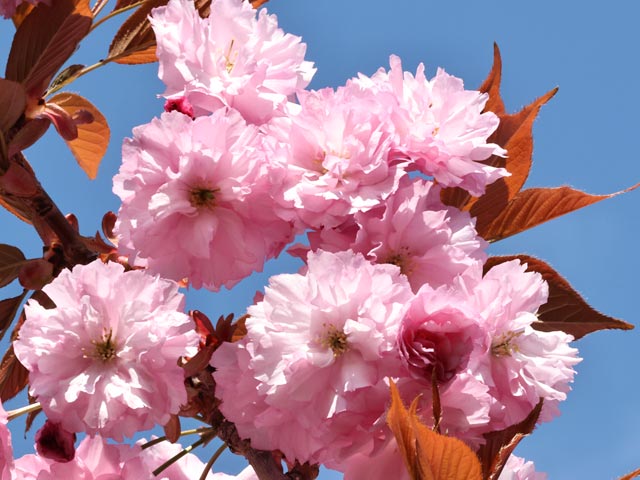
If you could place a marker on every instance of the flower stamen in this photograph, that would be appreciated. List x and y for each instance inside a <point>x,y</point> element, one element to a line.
<point>228,63</point>
<point>203,197</point>
<point>336,340</point>
<point>504,346</point>
<point>106,348</point>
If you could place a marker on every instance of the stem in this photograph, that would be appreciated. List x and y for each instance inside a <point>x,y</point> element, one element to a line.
<point>158,440</point>
<point>46,217</point>
<point>34,407</point>
<point>99,64</point>
<point>212,460</point>
<point>116,12</point>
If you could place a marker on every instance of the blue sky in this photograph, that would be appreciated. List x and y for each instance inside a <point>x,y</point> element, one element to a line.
<point>586,137</point>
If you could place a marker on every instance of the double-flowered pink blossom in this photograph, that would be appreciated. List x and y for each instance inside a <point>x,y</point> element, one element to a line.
<point>523,365</point>
<point>230,59</point>
<point>340,161</point>
<point>309,377</point>
<point>197,198</point>
<point>441,127</point>
<point>413,229</point>
<point>94,459</point>
<point>104,360</point>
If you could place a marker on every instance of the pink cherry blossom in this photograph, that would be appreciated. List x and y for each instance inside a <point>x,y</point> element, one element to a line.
<point>431,243</point>
<point>309,377</point>
<point>104,360</point>
<point>197,190</point>
<point>146,461</point>
<point>95,459</point>
<point>384,462</point>
<point>523,365</point>
<point>441,126</point>
<point>439,334</point>
<point>230,59</point>
<point>517,468</point>
<point>340,160</point>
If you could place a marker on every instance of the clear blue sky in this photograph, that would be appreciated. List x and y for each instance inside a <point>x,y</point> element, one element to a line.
<point>587,137</point>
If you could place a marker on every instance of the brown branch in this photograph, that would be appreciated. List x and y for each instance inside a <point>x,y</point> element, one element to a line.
<point>20,188</point>
<point>266,464</point>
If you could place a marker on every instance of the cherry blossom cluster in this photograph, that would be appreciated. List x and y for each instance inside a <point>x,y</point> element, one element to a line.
<point>394,288</point>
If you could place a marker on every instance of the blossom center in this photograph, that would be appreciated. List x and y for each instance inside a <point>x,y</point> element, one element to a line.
<point>504,344</point>
<point>336,340</point>
<point>402,259</point>
<point>202,197</point>
<point>105,349</point>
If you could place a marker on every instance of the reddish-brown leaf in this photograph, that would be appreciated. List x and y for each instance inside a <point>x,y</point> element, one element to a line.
<point>499,445</point>
<point>45,40</point>
<point>427,454</point>
<point>8,310</point>
<point>135,43</point>
<point>30,132</point>
<point>22,11</point>
<point>172,429</point>
<point>11,260</point>
<point>204,327</point>
<point>515,135</point>
<point>239,329</point>
<point>108,224</point>
<point>629,476</point>
<point>534,206</point>
<point>93,138</point>
<point>565,310</point>
<point>16,207</point>
<point>13,101</point>
<point>13,376</point>
<point>448,458</point>
<point>491,85</point>
<point>399,422</point>
<point>4,155</point>
<point>200,360</point>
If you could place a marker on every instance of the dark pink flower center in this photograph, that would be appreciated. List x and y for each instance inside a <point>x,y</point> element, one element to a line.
<point>181,105</point>
<point>443,353</point>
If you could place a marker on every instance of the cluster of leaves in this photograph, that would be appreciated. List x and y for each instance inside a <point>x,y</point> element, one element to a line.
<point>506,209</point>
